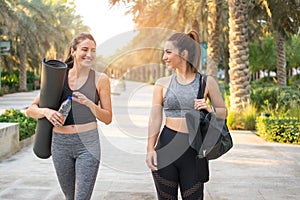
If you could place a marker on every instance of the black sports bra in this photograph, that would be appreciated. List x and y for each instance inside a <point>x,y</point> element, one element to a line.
<point>81,114</point>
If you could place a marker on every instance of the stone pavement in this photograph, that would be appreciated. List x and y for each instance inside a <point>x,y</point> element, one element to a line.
<point>17,100</point>
<point>253,169</point>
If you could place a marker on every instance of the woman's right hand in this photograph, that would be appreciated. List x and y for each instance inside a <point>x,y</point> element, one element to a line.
<point>54,117</point>
<point>151,160</point>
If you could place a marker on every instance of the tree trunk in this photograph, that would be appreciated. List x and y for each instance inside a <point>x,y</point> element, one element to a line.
<point>202,19</point>
<point>281,61</point>
<point>239,55</point>
<point>226,74</point>
<point>214,15</point>
<point>23,58</point>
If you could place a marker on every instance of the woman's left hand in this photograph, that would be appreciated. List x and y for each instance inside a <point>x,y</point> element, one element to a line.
<point>81,98</point>
<point>200,104</point>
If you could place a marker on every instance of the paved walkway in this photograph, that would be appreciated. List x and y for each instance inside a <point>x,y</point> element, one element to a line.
<point>253,170</point>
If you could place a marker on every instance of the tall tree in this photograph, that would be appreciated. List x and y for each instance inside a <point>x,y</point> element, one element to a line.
<point>283,19</point>
<point>32,18</point>
<point>262,55</point>
<point>239,54</point>
<point>214,8</point>
<point>293,52</point>
<point>39,25</point>
<point>168,16</point>
<point>7,18</point>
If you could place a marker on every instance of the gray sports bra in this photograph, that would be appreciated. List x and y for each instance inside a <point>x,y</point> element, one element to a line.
<point>179,98</point>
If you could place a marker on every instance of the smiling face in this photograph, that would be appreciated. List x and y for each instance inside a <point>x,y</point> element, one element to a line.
<point>171,56</point>
<point>85,53</point>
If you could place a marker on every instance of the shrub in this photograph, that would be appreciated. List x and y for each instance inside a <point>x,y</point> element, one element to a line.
<point>275,99</point>
<point>249,115</point>
<point>294,81</point>
<point>10,79</point>
<point>263,82</point>
<point>244,120</point>
<point>278,129</point>
<point>26,124</point>
<point>234,121</point>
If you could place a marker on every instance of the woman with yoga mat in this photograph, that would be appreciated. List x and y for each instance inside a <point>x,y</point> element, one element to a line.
<point>75,144</point>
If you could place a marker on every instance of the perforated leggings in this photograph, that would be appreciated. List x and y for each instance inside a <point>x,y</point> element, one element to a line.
<point>76,159</point>
<point>176,167</point>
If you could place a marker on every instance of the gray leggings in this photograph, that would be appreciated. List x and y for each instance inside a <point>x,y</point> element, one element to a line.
<point>76,158</point>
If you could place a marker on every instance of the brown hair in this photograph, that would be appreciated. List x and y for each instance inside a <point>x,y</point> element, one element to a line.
<point>76,40</point>
<point>190,43</point>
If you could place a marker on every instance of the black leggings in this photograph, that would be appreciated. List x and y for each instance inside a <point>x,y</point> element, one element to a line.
<point>176,166</point>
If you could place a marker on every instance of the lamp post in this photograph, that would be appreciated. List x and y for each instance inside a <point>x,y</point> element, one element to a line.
<point>4,51</point>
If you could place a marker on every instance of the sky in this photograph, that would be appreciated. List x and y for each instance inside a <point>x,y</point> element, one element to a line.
<point>105,23</point>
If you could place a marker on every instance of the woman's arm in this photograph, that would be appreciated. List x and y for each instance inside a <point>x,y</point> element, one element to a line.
<point>155,120</point>
<point>213,93</point>
<point>215,97</point>
<point>104,113</point>
<point>154,126</point>
<point>36,112</point>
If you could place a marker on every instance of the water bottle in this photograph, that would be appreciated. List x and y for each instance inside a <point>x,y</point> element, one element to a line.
<point>66,107</point>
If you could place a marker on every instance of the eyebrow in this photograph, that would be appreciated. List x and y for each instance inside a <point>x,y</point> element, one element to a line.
<point>88,47</point>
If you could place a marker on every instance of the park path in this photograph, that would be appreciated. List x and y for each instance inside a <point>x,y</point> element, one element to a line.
<point>253,170</point>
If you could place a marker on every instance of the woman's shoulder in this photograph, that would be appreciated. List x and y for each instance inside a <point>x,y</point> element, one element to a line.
<point>210,79</point>
<point>101,77</point>
<point>164,81</point>
<point>212,85</point>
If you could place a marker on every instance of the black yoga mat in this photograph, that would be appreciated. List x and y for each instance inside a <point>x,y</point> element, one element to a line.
<point>52,81</point>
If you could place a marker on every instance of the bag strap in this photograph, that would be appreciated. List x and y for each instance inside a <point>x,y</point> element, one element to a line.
<point>202,86</point>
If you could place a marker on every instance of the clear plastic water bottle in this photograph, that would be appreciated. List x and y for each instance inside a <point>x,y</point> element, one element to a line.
<point>66,107</point>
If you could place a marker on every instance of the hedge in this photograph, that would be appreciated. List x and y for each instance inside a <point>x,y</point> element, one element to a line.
<point>279,129</point>
<point>26,124</point>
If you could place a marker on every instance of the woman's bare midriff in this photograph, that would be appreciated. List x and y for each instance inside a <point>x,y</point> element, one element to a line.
<point>177,124</point>
<point>76,128</point>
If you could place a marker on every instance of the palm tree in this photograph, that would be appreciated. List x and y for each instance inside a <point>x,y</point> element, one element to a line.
<point>214,8</point>
<point>238,49</point>
<point>223,46</point>
<point>39,26</point>
<point>30,33</point>
<point>155,20</point>
<point>283,19</point>
<point>174,15</point>
<point>7,18</point>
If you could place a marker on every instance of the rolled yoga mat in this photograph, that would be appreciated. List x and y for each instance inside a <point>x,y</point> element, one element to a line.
<point>52,81</point>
